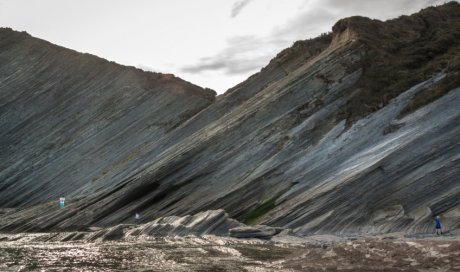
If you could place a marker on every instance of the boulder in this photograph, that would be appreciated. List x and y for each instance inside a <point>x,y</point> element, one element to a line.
<point>259,231</point>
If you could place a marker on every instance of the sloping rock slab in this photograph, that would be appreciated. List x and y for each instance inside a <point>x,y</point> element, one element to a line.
<point>216,222</point>
<point>113,233</point>
<point>260,231</point>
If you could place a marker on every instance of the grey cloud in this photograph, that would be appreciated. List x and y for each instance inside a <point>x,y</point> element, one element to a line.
<point>243,54</point>
<point>308,24</point>
<point>360,5</point>
<point>381,9</point>
<point>205,65</point>
<point>238,7</point>
<point>230,66</point>
<point>320,16</point>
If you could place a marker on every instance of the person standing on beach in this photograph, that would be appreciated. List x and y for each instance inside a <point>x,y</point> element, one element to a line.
<point>437,224</point>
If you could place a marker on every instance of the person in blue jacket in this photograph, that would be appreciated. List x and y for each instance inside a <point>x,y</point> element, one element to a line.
<point>437,224</point>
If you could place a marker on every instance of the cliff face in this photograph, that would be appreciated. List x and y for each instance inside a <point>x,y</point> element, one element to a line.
<point>70,122</point>
<point>355,131</point>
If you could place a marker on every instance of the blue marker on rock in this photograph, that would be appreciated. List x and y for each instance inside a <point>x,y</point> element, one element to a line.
<point>61,202</point>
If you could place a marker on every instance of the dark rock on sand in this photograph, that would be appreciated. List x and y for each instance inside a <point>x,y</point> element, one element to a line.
<point>259,231</point>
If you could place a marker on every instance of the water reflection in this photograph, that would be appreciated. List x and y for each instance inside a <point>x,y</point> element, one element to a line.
<point>171,254</point>
<point>24,252</point>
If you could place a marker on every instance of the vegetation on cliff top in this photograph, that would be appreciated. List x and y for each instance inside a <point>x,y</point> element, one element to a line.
<point>401,53</point>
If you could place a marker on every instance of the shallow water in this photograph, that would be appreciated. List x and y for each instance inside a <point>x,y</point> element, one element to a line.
<point>159,255</point>
<point>25,253</point>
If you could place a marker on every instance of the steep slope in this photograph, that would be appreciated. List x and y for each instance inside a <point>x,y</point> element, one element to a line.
<point>67,119</point>
<point>355,131</point>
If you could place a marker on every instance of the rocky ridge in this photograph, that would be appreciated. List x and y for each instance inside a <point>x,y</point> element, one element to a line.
<point>71,122</point>
<point>216,223</point>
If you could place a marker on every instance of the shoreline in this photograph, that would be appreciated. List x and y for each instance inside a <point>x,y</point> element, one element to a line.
<point>215,253</point>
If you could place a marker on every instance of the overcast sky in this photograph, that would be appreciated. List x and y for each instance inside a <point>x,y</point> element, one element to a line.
<point>212,43</point>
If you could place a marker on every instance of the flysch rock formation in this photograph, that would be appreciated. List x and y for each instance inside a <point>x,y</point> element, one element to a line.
<point>215,222</point>
<point>72,123</point>
<point>355,131</point>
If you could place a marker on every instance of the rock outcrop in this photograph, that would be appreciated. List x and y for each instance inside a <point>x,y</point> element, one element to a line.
<point>216,222</point>
<point>260,232</point>
<point>208,222</point>
<point>355,131</point>
<point>72,123</point>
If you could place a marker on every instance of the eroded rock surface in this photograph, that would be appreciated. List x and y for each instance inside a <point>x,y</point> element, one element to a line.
<point>261,232</point>
<point>214,222</point>
<point>203,223</point>
<point>73,124</point>
<point>353,132</point>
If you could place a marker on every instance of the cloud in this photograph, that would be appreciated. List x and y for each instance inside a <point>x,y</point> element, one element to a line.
<point>247,54</point>
<point>379,9</point>
<point>232,66</point>
<point>243,54</point>
<point>238,7</point>
<point>308,24</point>
<point>320,15</point>
<point>365,5</point>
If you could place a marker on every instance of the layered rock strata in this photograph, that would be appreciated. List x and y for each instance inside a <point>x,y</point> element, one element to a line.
<point>353,132</point>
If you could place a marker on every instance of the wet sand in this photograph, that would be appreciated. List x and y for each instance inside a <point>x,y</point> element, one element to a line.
<point>210,253</point>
